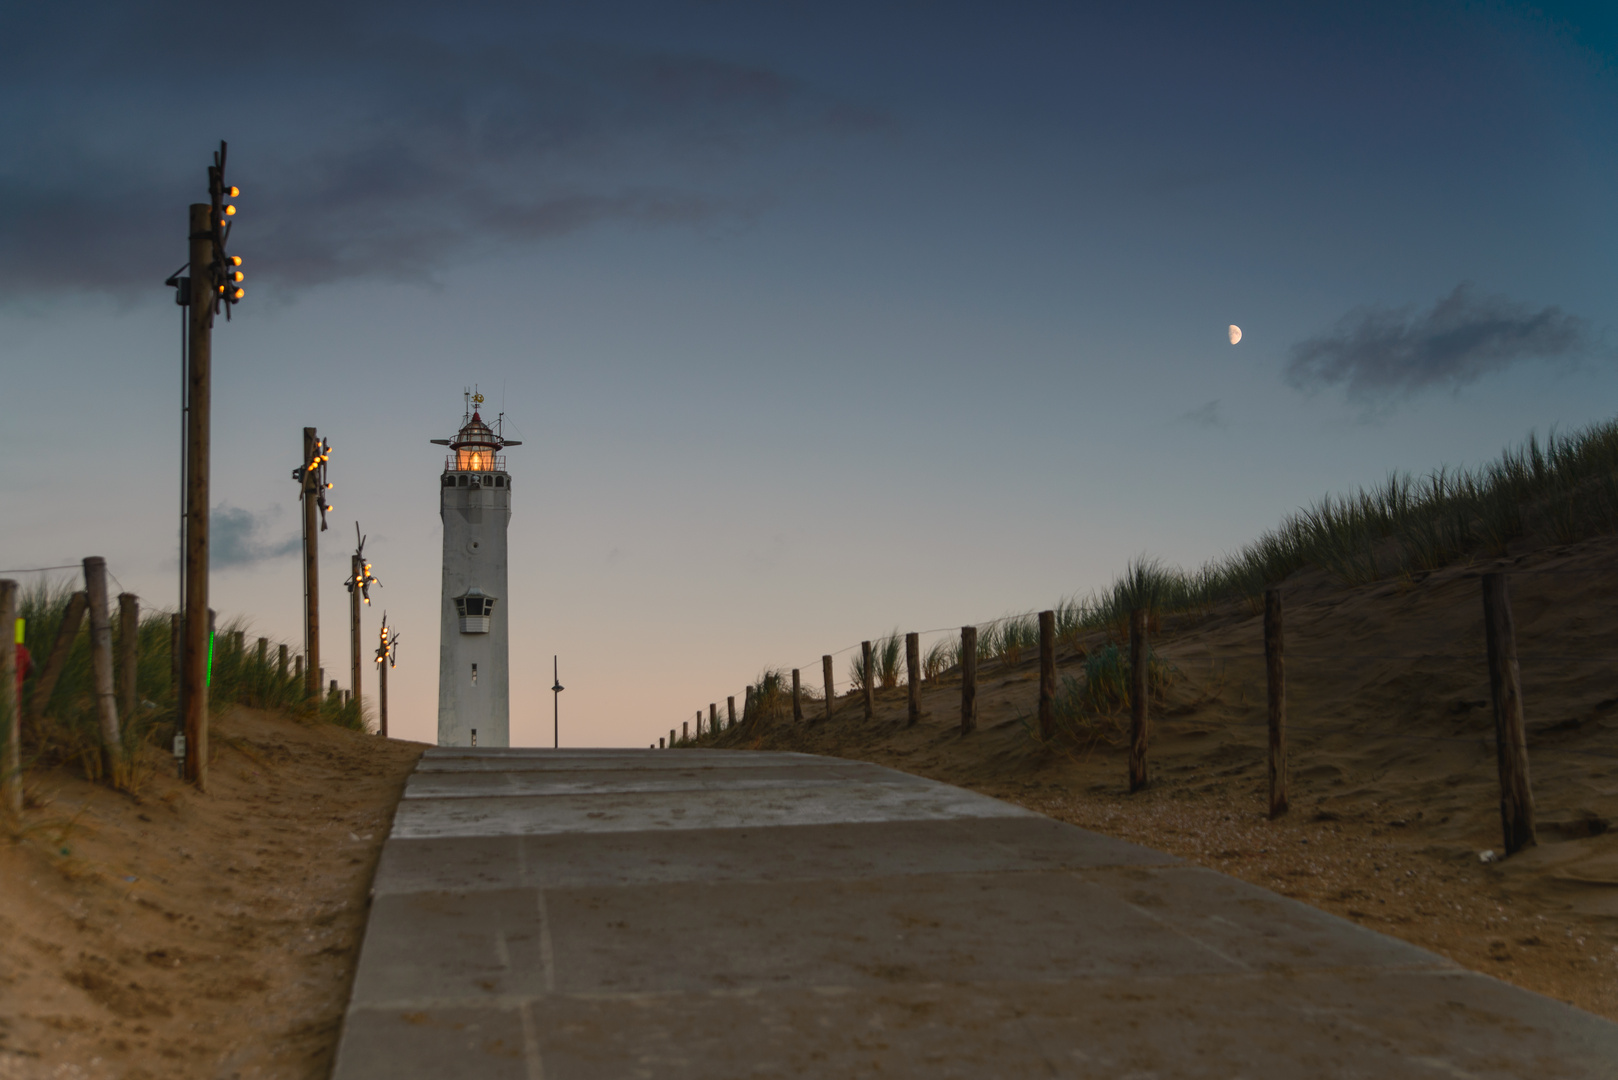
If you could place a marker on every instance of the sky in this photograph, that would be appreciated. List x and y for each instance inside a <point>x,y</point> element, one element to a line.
<point>815,320</point>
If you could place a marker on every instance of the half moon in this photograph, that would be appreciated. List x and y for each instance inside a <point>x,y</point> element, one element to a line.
<point>1235,333</point>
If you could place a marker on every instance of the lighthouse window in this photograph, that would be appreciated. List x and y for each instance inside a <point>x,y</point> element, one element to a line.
<point>474,674</point>
<point>499,481</point>
<point>474,607</point>
<point>463,481</point>
<point>449,480</point>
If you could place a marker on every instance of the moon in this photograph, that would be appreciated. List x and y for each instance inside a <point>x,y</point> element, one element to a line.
<point>1235,333</point>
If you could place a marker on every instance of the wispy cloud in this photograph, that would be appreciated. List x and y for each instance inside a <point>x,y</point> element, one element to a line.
<point>1207,414</point>
<point>235,538</point>
<point>1378,354</point>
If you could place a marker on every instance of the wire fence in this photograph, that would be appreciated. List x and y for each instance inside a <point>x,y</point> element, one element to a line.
<point>1224,652</point>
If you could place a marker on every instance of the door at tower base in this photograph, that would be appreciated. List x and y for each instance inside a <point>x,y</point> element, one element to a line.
<point>475,505</point>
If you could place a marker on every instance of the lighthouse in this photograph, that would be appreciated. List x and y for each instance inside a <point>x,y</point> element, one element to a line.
<point>474,501</point>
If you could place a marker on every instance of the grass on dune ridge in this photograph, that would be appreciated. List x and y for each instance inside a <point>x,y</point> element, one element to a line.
<point>1561,490</point>
<point>1558,490</point>
<point>65,729</point>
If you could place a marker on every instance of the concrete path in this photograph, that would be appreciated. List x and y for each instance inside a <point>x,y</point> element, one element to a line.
<point>688,913</point>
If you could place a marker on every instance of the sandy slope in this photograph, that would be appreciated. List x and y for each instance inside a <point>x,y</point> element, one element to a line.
<point>183,935</point>
<point>1394,787</point>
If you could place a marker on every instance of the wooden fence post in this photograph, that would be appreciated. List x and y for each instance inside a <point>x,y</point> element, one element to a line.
<point>730,712</point>
<point>699,723</point>
<point>1510,736</point>
<point>1047,675</point>
<point>913,674</point>
<point>281,663</point>
<point>969,679</point>
<point>868,684</point>
<point>10,706</point>
<point>825,674</point>
<point>713,718</point>
<point>685,728</point>
<point>297,675</point>
<point>671,738</point>
<point>66,632</point>
<point>797,698</point>
<point>128,654</point>
<point>332,693</point>
<point>1275,678</point>
<point>95,583</point>
<point>660,742</point>
<point>747,706</point>
<point>1139,689</point>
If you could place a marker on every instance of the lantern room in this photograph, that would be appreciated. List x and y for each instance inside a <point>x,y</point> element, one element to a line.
<point>476,451</point>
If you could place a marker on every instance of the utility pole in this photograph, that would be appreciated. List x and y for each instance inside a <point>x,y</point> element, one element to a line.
<point>215,286</point>
<point>312,487</point>
<point>199,390</point>
<point>359,588</point>
<point>556,706</point>
<point>357,567</point>
<point>385,658</point>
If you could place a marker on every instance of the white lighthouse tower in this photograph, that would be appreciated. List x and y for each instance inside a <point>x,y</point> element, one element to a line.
<point>474,500</point>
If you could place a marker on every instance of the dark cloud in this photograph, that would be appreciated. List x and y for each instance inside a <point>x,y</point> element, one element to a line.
<point>369,142</point>
<point>234,539</point>
<point>1381,353</point>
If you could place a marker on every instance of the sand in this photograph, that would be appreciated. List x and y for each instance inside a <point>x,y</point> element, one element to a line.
<point>175,934</point>
<point>1394,783</point>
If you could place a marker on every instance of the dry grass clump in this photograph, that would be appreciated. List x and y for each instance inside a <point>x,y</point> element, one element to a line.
<point>65,729</point>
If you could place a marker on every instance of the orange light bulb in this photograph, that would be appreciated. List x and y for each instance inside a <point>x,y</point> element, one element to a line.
<point>230,211</point>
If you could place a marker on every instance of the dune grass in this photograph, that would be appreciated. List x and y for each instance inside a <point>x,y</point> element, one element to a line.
<point>1559,491</point>
<point>65,729</point>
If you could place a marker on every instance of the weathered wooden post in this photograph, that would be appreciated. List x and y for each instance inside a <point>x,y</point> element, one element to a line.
<point>868,683</point>
<point>685,730</point>
<point>747,706</point>
<point>297,675</point>
<point>128,653</point>
<point>101,673</point>
<point>825,674</point>
<point>969,679</point>
<point>10,706</point>
<point>713,718</point>
<point>730,711</point>
<point>1275,678</point>
<point>176,655</point>
<point>660,742</point>
<point>309,492</point>
<point>45,681</point>
<point>699,724</point>
<point>332,693</point>
<point>1510,736</point>
<point>281,662</point>
<point>1047,675</point>
<point>381,691</point>
<point>913,675</point>
<point>196,646</point>
<point>1139,685</point>
<point>671,738</point>
<point>797,698</point>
